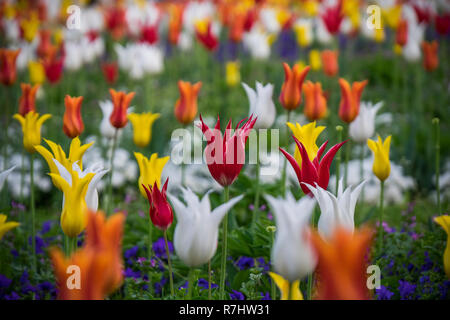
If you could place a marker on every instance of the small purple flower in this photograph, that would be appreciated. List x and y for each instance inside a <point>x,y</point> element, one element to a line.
<point>262,264</point>
<point>204,284</point>
<point>245,263</point>
<point>184,286</point>
<point>131,253</point>
<point>46,226</point>
<point>383,293</point>
<point>12,296</point>
<point>17,205</point>
<point>5,282</point>
<point>251,207</point>
<point>269,215</point>
<point>406,289</point>
<point>159,285</point>
<point>159,248</point>
<point>130,273</point>
<point>236,295</point>
<point>263,207</point>
<point>265,296</point>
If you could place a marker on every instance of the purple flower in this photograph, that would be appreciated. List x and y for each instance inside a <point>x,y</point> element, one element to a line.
<point>204,284</point>
<point>130,273</point>
<point>262,264</point>
<point>245,263</point>
<point>265,296</point>
<point>19,206</point>
<point>159,248</point>
<point>236,295</point>
<point>24,277</point>
<point>131,253</point>
<point>383,293</point>
<point>40,244</point>
<point>406,289</point>
<point>184,286</point>
<point>12,296</point>
<point>160,285</point>
<point>46,226</point>
<point>263,207</point>
<point>5,282</point>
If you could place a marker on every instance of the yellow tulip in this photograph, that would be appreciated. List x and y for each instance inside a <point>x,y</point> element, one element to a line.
<point>351,9</point>
<point>288,292</point>
<point>310,7</point>
<point>142,127</point>
<point>392,16</point>
<point>76,153</point>
<point>315,60</point>
<point>75,210</point>
<point>232,74</point>
<point>30,27</point>
<point>307,135</point>
<point>150,170</point>
<point>398,49</point>
<point>379,35</point>
<point>303,39</point>
<point>37,72</point>
<point>6,226</point>
<point>444,222</point>
<point>381,165</point>
<point>31,128</point>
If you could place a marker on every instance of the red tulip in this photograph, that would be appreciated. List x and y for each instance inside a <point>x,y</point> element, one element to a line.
<point>317,171</point>
<point>115,21</point>
<point>423,13</point>
<point>53,68</point>
<point>149,33</point>
<point>160,212</point>
<point>27,100</point>
<point>401,37</point>
<point>8,71</point>
<point>207,37</point>
<point>110,72</point>
<point>442,24</point>
<point>250,19</point>
<point>121,102</point>
<point>225,155</point>
<point>332,17</point>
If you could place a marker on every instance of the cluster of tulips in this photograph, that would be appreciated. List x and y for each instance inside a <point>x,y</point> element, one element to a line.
<point>330,252</point>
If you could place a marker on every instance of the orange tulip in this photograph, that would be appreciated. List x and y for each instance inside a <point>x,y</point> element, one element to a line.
<point>175,22</point>
<point>330,62</point>
<point>237,26</point>
<point>99,261</point>
<point>350,99</point>
<point>121,102</point>
<point>28,98</point>
<point>8,70</point>
<point>431,59</point>
<point>186,105</point>
<point>73,125</point>
<point>342,264</point>
<point>315,102</point>
<point>401,36</point>
<point>291,95</point>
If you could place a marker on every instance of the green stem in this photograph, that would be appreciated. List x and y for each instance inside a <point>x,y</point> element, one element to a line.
<point>172,292</point>
<point>111,166</point>
<point>209,280</point>
<point>33,214</point>
<point>273,287</point>
<point>347,158</point>
<point>257,191</point>
<point>283,175</point>
<point>437,148</point>
<point>380,227</point>
<point>338,157</point>
<point>361,170</point>
<point>224,248</point>
<point>191,280</point>
<point>149,252</point>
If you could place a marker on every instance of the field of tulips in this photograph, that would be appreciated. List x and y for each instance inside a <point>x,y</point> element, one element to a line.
<point>224,150</point>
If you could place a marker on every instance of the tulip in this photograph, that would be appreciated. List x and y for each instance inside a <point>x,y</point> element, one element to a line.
<point>401,37</point>
<point>288,292</point>
<point>6,226</point>
<point>196,233</point>
<point>115,21</point>
<point>442,24</point>
<point>106,128</point>
<point>79,188</point>
<point>142,127</point>
<point>392,16</point>
<point>317,171</point>
<point>3,175</point>
<point>8,71</point>
<point>330,62</point>
<point>336,211</point>
<point>76,152</point>
<point>110,72</point>
<point>150,170</point>
<point>444,222</point>
<point>350,99</point>
<point>291,95</point>
<point>53,68</point>
<point>292,255</point>
<point>73,124</point>
<point>121,102</point>
<point>314,60</point>
<point>332,17</point>
<point>315,101</point>
<point>363,127</point>
<point>307,135</point>
<point>342,264</point>
<point>27,99</point>
<point>232,73</point>
<point>303,30</point>
<point>37,72</point>
<point>225,155</point>
<point>175,22</point>
<point>203,31</point>
<point>381,165</point>
<point>99,261</point>
<point>261,104</point>
<point>31,128</point>
<point>186,105</point>
<point>237,26</point>
<point>431,58</point>
<point>30,27</point>
<point>149,34</point>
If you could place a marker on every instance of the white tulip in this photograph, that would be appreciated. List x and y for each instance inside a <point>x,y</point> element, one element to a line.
<point>196,233</point>
<point>336,211</point>
<point>292,255</point>
<point>4,175</point>
<point>91,197</point>
<point>363,127</point>
<point>256,42</point>
<point>261,104</point>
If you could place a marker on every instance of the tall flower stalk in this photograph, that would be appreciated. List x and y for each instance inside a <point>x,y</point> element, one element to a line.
<point>223,264</point>
<point>437,148</point>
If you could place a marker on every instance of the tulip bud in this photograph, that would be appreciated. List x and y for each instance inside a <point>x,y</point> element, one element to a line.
<point>350,99</point>
<point>315,102</point>
<point>121,102</point>
<point>381,165</point>
<point>186,105</point>
<point>8,71</point>
<point>160,210</point>
<point>73,124</point>
<point>291,95</point>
